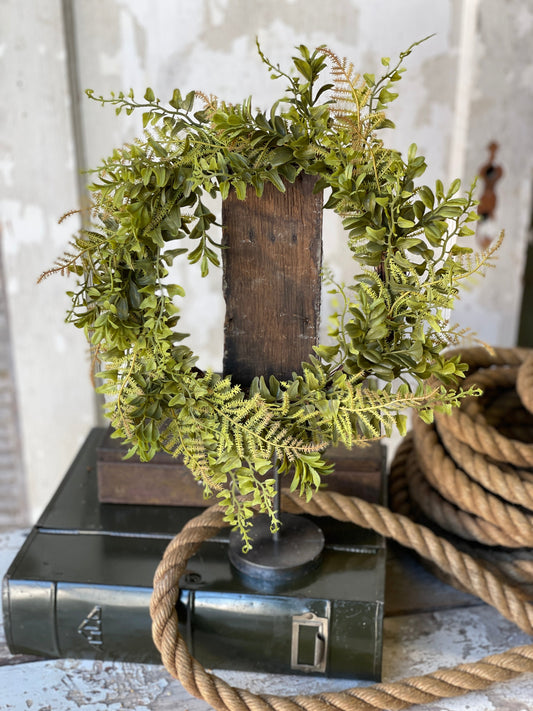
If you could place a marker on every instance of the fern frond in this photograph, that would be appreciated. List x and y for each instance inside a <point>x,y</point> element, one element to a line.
<point>68,214</point>
<point>349,85</point>
<point>478,262</point>
<point>224,392</point>
<point>85,242</point>
<point>210,101</point>
<point>62,266</point>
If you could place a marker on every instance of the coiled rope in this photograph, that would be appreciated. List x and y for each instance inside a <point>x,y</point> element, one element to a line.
<point>431,477</point>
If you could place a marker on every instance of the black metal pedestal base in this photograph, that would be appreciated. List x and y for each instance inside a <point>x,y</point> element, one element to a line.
<point>280,559</point>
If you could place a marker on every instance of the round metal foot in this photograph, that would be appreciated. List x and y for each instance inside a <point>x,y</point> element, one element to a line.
<point>277,560</point>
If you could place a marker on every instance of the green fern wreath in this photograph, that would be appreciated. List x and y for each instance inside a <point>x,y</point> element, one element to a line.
<point>149,196</point>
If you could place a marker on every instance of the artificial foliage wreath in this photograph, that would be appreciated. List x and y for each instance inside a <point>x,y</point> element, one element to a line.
<point>387,340</point>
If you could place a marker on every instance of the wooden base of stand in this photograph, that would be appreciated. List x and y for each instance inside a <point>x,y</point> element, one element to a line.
<point>165,481</point>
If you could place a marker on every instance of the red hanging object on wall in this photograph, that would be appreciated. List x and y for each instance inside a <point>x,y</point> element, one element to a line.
<point>490,173</point>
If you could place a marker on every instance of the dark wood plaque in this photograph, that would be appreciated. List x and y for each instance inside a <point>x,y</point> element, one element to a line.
<point>272,260</point>
<point>166,481</point>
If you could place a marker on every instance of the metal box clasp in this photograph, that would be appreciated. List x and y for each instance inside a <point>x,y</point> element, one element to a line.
<point>309,647</point>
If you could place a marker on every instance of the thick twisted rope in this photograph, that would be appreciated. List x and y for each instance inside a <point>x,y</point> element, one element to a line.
<point>469,533</point>
<point>455,485</point>
<point>479,357</point>
<point>524,382</point>
<point>397,695</point>
<point>509,483</point>
<point>483,438</point>
<point>438,509</point>
<point>411,495</point>
<point>485,517</point>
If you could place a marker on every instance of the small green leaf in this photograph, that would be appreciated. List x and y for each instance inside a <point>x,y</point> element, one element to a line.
<point>454,188</point>
<point>404,224</point>
<point>240,189</point>
<point>174,290</point>
<point>426,416</point>
<point>175,101</point>
<point>401,424</point>
<point>376,234</point>
<point>279,156</point>
<point>188,101</point>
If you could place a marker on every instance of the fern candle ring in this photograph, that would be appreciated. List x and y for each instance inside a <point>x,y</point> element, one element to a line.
<point>386,349</point>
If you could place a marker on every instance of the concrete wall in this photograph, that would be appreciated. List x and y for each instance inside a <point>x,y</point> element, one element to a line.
<point>468,85</point>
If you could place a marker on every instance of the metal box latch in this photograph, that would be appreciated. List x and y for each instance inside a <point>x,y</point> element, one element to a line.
<point>309,648</point>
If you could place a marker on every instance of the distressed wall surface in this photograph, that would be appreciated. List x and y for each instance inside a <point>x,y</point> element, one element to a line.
<point>501,109</point>
<point>38,185</point>
<point>12,504</point>
<point>468,85</point>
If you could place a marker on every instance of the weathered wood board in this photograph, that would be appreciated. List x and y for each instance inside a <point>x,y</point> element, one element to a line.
<point>272,260</point>
<point>166,481</point>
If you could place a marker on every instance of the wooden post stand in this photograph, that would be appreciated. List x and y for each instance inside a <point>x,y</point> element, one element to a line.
<point>272,279</point>
<point>272,274</point>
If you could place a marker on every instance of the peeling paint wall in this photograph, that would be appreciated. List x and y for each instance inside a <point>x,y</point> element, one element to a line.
<point>38,185</point>
<point>501,110</point>
<point>469,84</point>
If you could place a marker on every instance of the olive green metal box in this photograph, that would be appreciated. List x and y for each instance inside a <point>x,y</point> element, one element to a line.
<point>81,584</point>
